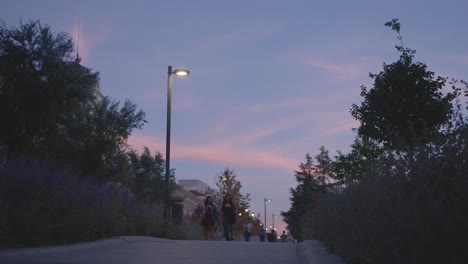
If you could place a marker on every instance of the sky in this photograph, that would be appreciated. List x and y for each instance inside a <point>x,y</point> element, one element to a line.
<point>270,80</point>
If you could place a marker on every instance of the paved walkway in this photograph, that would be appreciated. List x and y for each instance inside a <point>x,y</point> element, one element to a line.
<point>143,250</point>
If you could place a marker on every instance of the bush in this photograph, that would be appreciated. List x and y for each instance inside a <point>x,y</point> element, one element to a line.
<point>410,208</point>
<point>43,203</point>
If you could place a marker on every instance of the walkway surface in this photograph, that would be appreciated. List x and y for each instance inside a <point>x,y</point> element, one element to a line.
<point>144,250</point>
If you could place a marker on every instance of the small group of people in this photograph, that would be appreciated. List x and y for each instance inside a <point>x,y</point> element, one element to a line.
<point>210,217</point>
<point>210,221</point>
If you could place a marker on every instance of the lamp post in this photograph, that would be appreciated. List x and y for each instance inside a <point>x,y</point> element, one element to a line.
<point>221,188</point>
<point>273,220</point>
<point>266,200</point>
<point>179,72</point>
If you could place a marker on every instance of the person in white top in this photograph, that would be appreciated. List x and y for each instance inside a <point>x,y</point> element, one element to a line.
<point>247,230</point>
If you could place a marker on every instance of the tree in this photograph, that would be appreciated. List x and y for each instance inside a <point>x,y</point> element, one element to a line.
<point>104,133</point>
<point>47,102</point>
<point>406,103</point>
<point>41,86</point>
<point>323,167</point>
<point>227,183</point>
<point>304,197</point>
<point>148,175</point>
<point>353,166</point>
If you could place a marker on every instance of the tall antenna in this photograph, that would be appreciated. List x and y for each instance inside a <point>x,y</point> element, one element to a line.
<point>78,45</point>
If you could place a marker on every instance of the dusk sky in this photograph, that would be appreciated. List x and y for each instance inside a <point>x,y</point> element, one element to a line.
<point>270,80</point>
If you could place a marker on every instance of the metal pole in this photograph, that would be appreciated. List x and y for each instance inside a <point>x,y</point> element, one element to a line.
<point>220,193</point>
<point>168,143</point>
<point>265,216</point>
<point>273,220</point>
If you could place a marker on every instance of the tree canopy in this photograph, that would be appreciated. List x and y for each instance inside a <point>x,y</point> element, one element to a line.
<point>406,103</point>
<point>352,167</point>
<point>312,183</point>
<point>227,183</point>
<point>49,107</point>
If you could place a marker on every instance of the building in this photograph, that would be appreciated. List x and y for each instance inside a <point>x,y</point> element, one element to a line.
<point>186,197</point>
<point>195,185</point>
<point>189,199</point>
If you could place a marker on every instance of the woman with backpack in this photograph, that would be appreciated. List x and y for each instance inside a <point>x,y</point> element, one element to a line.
<point>209,217</point>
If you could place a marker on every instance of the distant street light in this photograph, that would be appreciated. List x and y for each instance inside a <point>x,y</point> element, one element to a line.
<point>273,218</point>
<point>179,72</point>
<point>266,200</point>
<point>221,191</point>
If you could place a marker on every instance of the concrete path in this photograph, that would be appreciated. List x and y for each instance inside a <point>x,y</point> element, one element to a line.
<point>144,250</point>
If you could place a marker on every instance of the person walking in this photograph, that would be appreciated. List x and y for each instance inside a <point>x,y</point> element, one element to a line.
<point>209,217</point>
<point>229,217</point>
<point>262,235</point>
<point>247,230</point>
<point>283,237</point>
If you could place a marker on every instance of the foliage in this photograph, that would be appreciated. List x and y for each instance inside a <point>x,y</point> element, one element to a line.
<point>227,183</point>
<point>306,196</point>
<point>103,136</point>
<point>195,216</point>
<point>405,201</point>
<point>405,105</point>
<point>148,176</point>
<point>48,102</point>
<point>323,168</point>
<point>353,166</point>
<point>41,85</point>
<point>44,203</point>
<point>411,208</point>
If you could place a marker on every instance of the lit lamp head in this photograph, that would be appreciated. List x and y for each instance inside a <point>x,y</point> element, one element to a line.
<point>181,72</point>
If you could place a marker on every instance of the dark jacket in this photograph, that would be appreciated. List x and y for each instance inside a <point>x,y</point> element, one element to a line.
<point>229,214</point>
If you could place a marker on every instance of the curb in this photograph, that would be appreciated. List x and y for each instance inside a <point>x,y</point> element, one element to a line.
<point>78,246</point>
<point>313,251</point>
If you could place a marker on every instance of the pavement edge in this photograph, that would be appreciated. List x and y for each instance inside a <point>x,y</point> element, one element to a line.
<point>78,246</point>
<point>313,251</point>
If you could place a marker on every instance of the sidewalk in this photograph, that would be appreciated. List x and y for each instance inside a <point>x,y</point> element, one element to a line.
<point>137,249</point>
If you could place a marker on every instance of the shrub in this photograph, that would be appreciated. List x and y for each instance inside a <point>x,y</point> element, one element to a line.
<point>410,208</point>
<point>44,203</point>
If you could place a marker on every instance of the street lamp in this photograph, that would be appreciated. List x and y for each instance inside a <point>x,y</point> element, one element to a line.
<point>266,200</point>
<point>178,72</point>
<point>273,220</point>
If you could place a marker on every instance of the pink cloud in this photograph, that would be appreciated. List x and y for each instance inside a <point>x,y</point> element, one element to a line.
<point>185,102</point>
<point>344,125</point>
<point>90,36</point>
<point>287,103</point>
<point>464,58</point>
<point>221,152</point>
<point>347,126</point>
<point>356,67</point>
<point>350,69</point>
<point>232,125</point>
